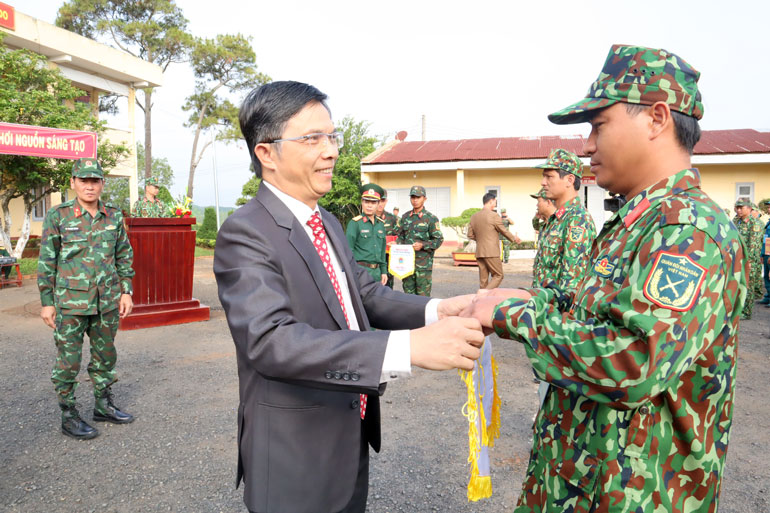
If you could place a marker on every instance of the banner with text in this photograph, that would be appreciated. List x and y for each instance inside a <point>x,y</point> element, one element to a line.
<point>40,141</point>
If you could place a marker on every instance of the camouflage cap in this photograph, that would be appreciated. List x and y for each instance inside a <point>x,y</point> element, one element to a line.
<point>417,190</point>
<point>152,181</point>
<point>371,191</point>
<point>502,211</point>
<point>635,74</point>
<point>87,168</point>
<point>565,161</point>
<point>540,194</point>
<point>743,202</point>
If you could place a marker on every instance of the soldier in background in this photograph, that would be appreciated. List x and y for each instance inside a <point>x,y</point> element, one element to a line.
<point>544,209</point>
<point>150,205</point>
<point>84,277</point>
<point>757,270</point>
<point>421,229</point>
<point>391,227</point>
<point>506,243</point>
<point>765,207</point>
<point>366,235</point>
<point>751,232</point>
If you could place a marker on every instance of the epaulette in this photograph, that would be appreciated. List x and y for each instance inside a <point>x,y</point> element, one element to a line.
<point>381,219</point>
<point>357,218</point>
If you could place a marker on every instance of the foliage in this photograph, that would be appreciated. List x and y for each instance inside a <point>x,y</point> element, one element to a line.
<point>344,198</point>
<point>180,207</point>
<point>208,229</point>
<point>34,94</point>
<point>28,266</point>
<point>153,30</point>
<point>228,63</point>
<point>204,243</point>
<point>165,196</point>
<point>460,223</point>
<point>249,190</point>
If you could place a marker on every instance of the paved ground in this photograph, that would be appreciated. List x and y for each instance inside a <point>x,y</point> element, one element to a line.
<point>181,382</point>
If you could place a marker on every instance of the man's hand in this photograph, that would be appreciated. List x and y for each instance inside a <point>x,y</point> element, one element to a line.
<point>454,305</point>
<point>417,246</point>
<point>516,238</point>
<point>383,279</point>
<point>483,306</point>
<point>450,343</point>
<point>126,305</point>
<point>48,314</point>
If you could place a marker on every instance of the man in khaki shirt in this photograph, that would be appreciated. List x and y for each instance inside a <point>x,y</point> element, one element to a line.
<point>485,226</point>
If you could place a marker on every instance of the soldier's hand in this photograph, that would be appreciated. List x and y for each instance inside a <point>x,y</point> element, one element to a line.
<point>450,343</point>
<point>516,238</point>
<point>126,305</point>
<point>417,246</point>
<point>452,306</point>
<point>48,314</point>
<point>383,279</point>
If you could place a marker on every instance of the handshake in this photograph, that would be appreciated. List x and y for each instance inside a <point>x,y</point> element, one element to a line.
<point>455,340</point>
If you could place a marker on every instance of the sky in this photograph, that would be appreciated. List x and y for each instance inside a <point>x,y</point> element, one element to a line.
<point>473,69</point>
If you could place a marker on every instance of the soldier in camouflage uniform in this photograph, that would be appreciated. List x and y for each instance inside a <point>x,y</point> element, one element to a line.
<point>644,354</point>
<point>420,228</point>
<point>150,205</point>
<point>565,243</point>
<point>366,235</point>
<point>756,270</point>
<point>506,243</point>
<point>391,227</point>
<point>84,277</point>
<point>545,208</point>
<point>751,232</point>
<point>765,206</point>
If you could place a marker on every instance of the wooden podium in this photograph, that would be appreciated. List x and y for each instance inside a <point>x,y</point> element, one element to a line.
<point>164,255</point>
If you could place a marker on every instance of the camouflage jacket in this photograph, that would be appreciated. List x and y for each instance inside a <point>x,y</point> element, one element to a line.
<point>643,359</point>
<point>422,227</point>
<point>507,225</point>
<point>85,262</point>
<point>391,223</point>
<point>366,239</point>
<point>146,208</point>
<point>564,247</point>
<point>752,234</point>
<point>765,236</point>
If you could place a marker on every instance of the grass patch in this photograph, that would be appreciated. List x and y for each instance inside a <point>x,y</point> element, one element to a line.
<point>28,265</point>
<point>203,251</point>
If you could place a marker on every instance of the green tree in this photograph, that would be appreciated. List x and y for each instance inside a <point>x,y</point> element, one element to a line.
<point>153,30</point>
<point>226,63</point>
<point>116,190</point>
<point>461,223</point>
<point>208,229</point>
<point>34,94</point>
<point>249,190</point>
<point>344,199</point>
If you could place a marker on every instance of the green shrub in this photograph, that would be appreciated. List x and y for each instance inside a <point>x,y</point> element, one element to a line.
<point>208,228</point>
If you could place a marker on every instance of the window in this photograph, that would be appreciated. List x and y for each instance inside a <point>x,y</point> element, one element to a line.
<point>42,205</point>
<point>495,189</point>
<point>744,190</point>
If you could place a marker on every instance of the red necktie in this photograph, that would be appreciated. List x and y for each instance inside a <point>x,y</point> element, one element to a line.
<point>319,241</point>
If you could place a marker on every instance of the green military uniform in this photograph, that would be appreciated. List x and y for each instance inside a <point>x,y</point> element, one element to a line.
<point>644,354</point>
<point>752,233</point>
<point>506,243</point>
<point>538,223</point>
<point>83,268</point>
<point>392,226</point>
<point>366,238</point>
<point>146,208</point>
<point>756,270</point>
<point>565,240</point>
<point>420,227</point>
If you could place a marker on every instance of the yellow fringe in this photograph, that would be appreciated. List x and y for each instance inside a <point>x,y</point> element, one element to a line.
<point>480,487</point>
<point>493,429</point>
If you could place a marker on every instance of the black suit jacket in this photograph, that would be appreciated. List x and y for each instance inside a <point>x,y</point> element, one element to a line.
<point>300,368</point>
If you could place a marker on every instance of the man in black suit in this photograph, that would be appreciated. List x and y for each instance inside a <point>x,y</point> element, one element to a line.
<point>299,310</point>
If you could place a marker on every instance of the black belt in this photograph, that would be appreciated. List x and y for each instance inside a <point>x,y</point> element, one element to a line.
<point>370,266</point>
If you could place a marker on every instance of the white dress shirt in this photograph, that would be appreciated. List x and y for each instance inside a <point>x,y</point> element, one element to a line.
<point>397,361</point>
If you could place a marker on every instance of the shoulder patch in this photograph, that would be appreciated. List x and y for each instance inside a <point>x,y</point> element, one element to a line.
<point>576,234</point>
<point>674,282</point>
<point>357,218</point>
<point>603,267</point>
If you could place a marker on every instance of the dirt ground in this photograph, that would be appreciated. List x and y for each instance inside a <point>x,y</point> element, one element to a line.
<point>181,383</point>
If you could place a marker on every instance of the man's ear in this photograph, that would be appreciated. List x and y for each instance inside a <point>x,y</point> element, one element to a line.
<point>266,155</point>
<point>660,119</point>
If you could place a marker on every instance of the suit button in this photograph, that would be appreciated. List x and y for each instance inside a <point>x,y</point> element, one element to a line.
<point>354,405</point>
<point>346,377</point>
<point>644,410</point>
<point>328,375</point>
<point>337,375</point>
<point>355,376</point>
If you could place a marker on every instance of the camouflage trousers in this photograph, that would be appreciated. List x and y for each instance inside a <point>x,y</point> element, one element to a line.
<point>756,278</point>
<point>506,250</point>
<point>68,336</point>
<point>419,283</point>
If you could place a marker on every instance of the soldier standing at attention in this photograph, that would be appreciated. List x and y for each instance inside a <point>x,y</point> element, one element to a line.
<point>751,232</point>
<point>84,277</point>
<point>544,209</point>
<point>566,238</point>
<point>643,355</point>
<point>420,228</point>
<point>756,270</point>
<point>366,235</point>
<point>391,227</point>
<point>150,205</point>
<point>506,243</point>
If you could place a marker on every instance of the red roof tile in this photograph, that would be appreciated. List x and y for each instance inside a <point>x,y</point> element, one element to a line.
<point>504,148</point>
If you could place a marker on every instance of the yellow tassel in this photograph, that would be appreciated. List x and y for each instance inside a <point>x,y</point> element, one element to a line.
<point>480,487</point>
<point>494,427</point>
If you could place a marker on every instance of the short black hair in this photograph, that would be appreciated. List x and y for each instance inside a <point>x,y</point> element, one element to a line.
<point>576,183</point>
<point>686,127</point>
<point>265,111</point>
<point>489,197</point>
